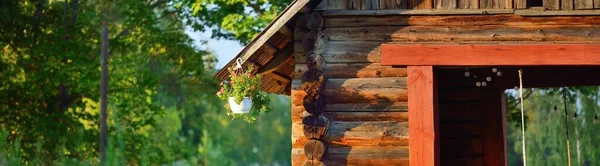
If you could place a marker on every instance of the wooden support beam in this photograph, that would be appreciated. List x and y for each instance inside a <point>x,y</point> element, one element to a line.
<point>490,55</point>
<point>493,133</point>
<point>423,117</point>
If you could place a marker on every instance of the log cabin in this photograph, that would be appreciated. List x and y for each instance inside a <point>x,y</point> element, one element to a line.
<point>417,82</point>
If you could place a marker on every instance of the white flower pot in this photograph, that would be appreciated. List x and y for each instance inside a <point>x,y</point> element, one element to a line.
<point>240,108</point>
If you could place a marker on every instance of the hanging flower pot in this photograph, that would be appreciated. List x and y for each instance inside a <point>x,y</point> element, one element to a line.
<point>243,94</point>
<point>242,107</point>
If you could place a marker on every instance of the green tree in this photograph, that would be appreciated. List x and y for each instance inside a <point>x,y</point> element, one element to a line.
<point>50,71</point>
<point>239,20</point>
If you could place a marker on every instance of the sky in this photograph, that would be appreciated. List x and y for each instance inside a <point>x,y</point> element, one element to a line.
<point>224,50</point>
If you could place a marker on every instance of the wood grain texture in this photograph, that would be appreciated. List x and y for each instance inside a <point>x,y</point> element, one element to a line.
<point>468,4</point>
<point>357,70</point>
<point>298,114</point>
<point>557,12</point>
<point>423,117</point>
<point>520,4</point>
<point>552,4</point>
<point>358,133</point>
<point>584,4</point>
<point>496,55</point>
<point>467,33</point>
<point>372,5</point>
<point>420,4</point>
<point>485,4</point>
<point>457,20</point>
<point>429,11</point>
<point>345,52</point>
<point>359,155</point>
<point>368,107</point>
<point>357,94</point>
<point>393,4</point>
<point>314,126</point>
<point>315,150</point>
<point>566,4</point>
<point>499,4</point>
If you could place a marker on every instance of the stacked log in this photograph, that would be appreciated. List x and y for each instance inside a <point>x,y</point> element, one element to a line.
<point>315,125</point>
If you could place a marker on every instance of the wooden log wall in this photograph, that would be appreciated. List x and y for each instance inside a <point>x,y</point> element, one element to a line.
<point>365,103</point>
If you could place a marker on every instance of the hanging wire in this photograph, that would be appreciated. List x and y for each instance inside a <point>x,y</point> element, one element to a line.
<point>567,127</point>
<point>522,116</point>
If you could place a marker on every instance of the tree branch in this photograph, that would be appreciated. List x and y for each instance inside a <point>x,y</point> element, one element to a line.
<point>37,18</point>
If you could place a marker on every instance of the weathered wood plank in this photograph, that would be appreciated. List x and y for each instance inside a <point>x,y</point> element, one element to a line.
<point>566,4</point>
<point>508,4</point>
<point>362,90</point>
<point>382,111</point>
<point>420,4</point>
<point>468,4</point>
<point>372,5</point>
<point>427,11</point>
<point>357,4</point>
<point>379,110</point>
<point>448,4</point>
<point>358,133</point>
<point>471,20</point>
<point>366,83</point>
<point>423,116</point>
<point>485,4</point>
<point>584,4</point>
<point>495,55</point>
<point>358,83</point>
<point>367,107</point>
<point>298,113</point>
<point>345,52</point>
<point>393,4</point>
<point>357,70</point>
<point>558,12</point>
<point>362,155</point>
<point>350,95</point>
<point>552,4</point>
<point>520,4</point>
<point>467,33</point>
<point>499,4</point>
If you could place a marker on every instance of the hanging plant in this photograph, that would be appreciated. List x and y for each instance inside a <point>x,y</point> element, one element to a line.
<point>243,94</point>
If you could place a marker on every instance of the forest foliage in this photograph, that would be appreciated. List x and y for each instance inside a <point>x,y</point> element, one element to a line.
<point>546,139</point>
<point>162,103</point>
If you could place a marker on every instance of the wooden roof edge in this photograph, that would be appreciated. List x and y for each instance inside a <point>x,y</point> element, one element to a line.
<point>522,12</point>
<point>262,38</point>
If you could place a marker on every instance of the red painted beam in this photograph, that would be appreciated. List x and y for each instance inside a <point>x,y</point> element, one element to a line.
<point>423,117</point>
<point>490,55</point>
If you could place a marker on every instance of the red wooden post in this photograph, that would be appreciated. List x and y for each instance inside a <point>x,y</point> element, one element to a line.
<point>424,142</point>
<point>493,123</point>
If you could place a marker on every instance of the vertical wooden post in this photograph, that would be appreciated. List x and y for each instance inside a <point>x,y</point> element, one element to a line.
<point>493,124</point>
<point>423,117</point>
